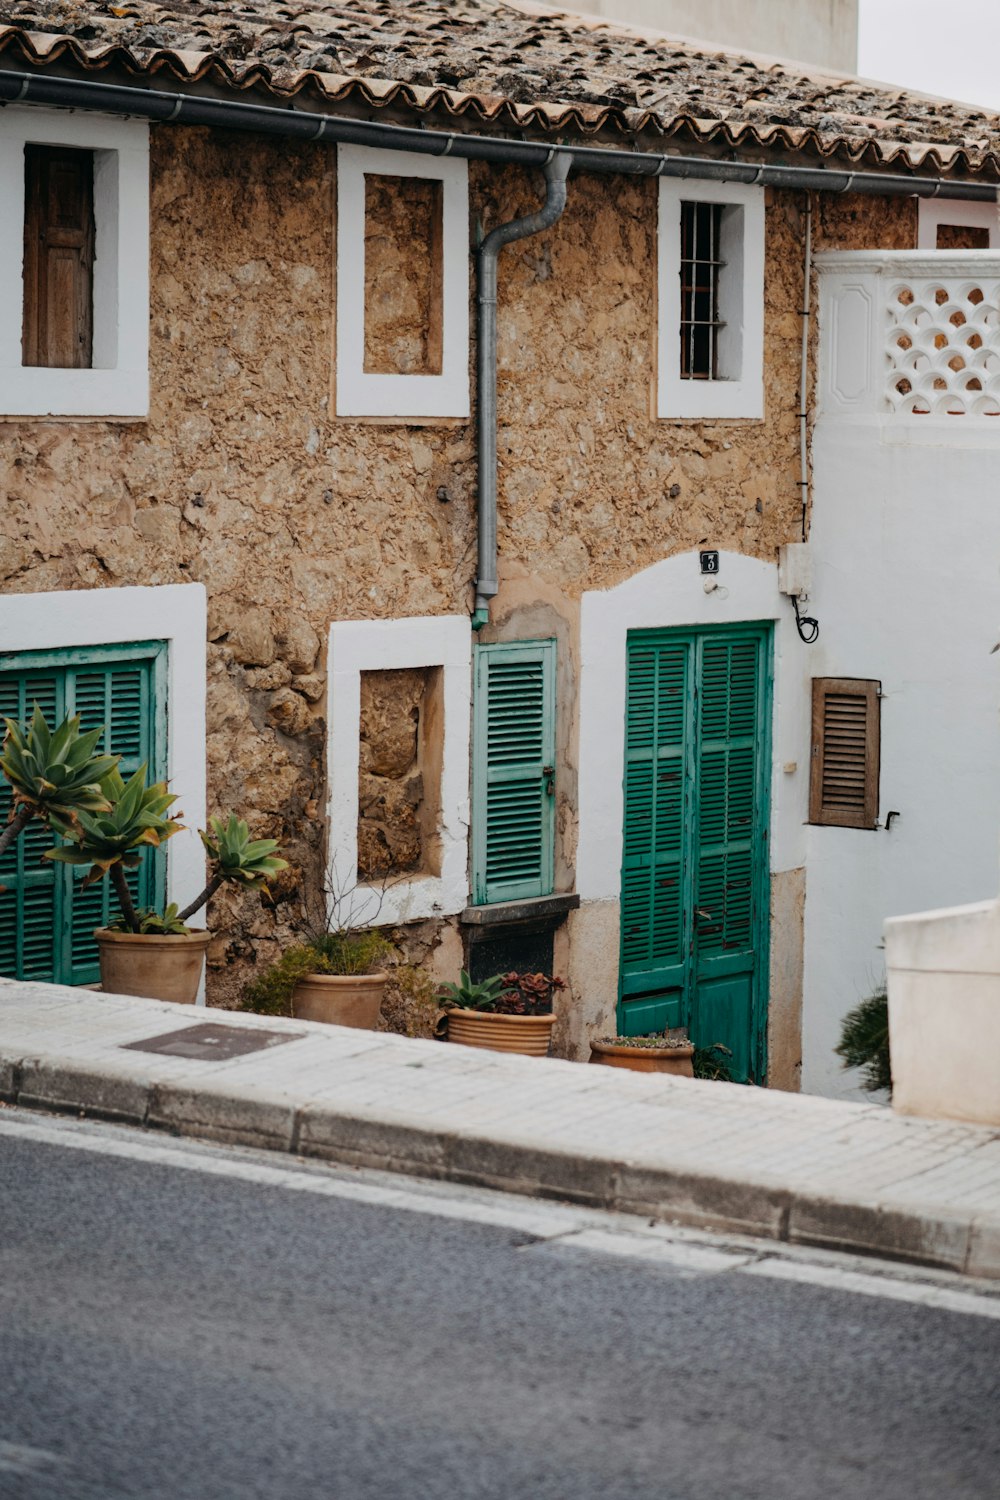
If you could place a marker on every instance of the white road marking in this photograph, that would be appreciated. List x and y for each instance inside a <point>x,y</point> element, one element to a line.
<point>679,1255</point>
<point>559,1225</point>
<point>18,1458</point>
<point>528,1216</point>
<point>926,1294</point>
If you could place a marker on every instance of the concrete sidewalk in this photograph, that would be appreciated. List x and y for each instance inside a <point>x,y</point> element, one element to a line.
<point>789,1167</point>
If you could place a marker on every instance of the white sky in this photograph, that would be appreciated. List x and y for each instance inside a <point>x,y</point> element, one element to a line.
<point>947,47</point>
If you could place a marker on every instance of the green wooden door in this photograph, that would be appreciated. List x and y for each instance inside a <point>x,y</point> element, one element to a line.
<point>47,920</point>
<point>694,869</point>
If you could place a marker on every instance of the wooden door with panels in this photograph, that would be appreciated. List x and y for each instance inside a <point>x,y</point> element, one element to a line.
<point>695,887</point>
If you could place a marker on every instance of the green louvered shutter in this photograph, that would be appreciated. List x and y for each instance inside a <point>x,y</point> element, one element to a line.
<point>30,904</point>
<point>694,868</point>
<point>726,794</point>
<point>654,874</point>
<point>513,771</point>
<point>47,919</point>
<point>730,853</point>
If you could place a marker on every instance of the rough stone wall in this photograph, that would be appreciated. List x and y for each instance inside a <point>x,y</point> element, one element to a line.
<point>242,479</point>
<point>592,487</point>
<point>391,788</point>
<point>857,221</point>
<point>402,276</point>
<point>963,237</point>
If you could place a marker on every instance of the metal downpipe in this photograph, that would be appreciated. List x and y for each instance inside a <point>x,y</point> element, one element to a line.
<point>556,171</point>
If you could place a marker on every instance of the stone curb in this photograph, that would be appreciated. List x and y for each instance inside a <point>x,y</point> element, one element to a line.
<point>403,1144</point>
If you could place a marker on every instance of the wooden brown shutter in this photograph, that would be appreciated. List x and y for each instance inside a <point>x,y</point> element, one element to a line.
<point>843,787</point>
<point>58,257</point>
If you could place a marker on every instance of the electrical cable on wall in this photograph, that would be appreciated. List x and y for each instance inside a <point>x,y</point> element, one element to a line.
<point>807,627</point>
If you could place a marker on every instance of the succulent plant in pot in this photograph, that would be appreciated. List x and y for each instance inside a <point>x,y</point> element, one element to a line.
<point>145,952</point>
<point>504,1013</point>
<point>659,1052</point>
<point>337,974</point>
<point>336,977</point>
<point>52,773</point>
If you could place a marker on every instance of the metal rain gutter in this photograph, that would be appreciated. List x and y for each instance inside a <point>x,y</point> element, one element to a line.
<point>234,114</point>
<point>556,171</point>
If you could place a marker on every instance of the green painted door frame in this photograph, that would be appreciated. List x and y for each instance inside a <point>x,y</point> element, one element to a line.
<point>695,929</point>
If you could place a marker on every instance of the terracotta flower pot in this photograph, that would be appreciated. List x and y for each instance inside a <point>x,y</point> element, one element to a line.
<point>675,1060</point>
<point>152,966</point>
<point>529,1035</point>
<point>340,999</point>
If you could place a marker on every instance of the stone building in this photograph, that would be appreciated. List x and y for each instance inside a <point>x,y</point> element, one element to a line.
<point>499,599</point>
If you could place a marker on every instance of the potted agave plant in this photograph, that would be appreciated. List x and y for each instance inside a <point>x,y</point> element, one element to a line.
<point>505,1013</point>
<point>147,952</point>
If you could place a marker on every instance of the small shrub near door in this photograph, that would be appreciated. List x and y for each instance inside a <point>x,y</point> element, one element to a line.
<point>864,1042</point>
<point>328,954</point>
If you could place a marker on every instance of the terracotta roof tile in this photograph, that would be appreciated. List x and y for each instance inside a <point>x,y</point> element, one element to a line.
<point>506,63</point>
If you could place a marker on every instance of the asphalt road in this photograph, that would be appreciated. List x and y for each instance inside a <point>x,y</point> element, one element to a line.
<point>176,1322</point>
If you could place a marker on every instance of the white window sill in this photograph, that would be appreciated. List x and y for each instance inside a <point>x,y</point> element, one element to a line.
<point>41,392</point>
<point>717,403</point>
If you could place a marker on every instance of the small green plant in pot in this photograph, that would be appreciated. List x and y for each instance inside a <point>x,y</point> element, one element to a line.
<point>504,1013</point>
<point>147,952</point>
<point>658,1052</point>
<point>336,977</point>
<point>338,973</point>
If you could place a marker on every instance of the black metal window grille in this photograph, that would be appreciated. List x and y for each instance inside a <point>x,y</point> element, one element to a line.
<point>701,263</point>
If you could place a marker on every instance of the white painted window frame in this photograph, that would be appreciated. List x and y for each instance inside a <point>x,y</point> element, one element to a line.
<point>936,211</point>
<point>741,303</point>
<point>365,395</point>
<point>117,384</point>
<point>357,646</point>
<point>175,613</point>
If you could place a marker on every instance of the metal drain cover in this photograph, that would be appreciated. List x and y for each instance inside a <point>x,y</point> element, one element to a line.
<point>212,1043</point>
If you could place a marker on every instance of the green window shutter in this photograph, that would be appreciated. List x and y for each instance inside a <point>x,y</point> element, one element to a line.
<point>513,818</point>
<point>47,919</point>
<point>29,912</point>
<point>728,709</point>
<point>656,708</point>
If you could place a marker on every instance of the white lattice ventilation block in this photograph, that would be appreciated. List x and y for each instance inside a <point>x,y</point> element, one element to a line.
<point>943,347</point>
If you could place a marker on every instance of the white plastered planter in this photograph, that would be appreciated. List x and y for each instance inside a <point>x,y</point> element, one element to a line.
<point>944,1012</point>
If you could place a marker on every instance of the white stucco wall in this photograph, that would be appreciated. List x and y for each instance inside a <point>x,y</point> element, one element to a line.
<point>816,31</point>
<point>905,546</point>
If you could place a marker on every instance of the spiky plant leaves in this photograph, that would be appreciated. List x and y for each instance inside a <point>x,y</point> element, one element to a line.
<point>55,773</point>
<point>135,816</point>
<point>237,857</point>
<point>864,1042</point>
<point>465,995</point>
<point>165,924</point>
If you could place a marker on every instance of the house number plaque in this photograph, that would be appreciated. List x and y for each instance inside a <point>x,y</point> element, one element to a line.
<point>709,562</point>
